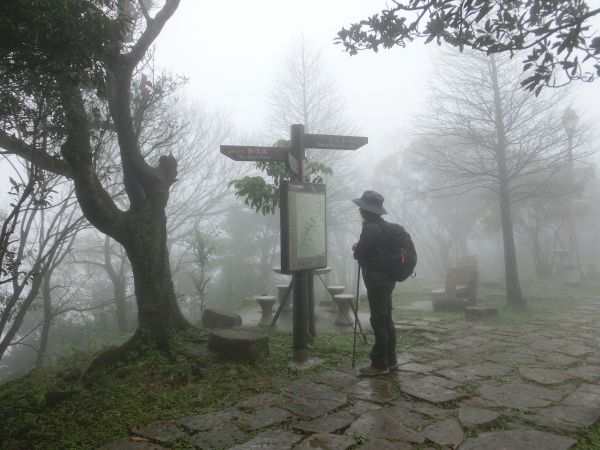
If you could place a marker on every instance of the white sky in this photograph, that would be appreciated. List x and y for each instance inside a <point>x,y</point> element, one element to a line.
<point>231,52</point>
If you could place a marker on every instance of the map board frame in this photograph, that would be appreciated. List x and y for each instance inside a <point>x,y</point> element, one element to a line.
<point>303,208</point>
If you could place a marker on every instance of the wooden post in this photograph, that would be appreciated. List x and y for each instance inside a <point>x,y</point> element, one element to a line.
<point>300,316</point>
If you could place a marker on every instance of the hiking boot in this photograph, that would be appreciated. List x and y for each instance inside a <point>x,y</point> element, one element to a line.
<point>370,371</point>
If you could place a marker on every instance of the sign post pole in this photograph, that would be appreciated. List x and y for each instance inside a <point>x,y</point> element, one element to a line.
<point>300,317</point>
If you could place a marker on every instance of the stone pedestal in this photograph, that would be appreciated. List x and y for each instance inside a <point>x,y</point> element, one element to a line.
<point>333,291</point>
<point>343,303</point>
<point>266,303</point>
<point>281,289</point>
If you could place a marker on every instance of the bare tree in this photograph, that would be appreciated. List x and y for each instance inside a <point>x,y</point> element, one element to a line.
<point>304,93</point>
<point>46,234</point>
<point>483,131</point>
<point>439,228</point>
<point>203,249</point>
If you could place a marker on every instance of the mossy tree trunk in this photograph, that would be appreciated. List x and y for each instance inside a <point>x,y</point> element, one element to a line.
<point>146,247</point>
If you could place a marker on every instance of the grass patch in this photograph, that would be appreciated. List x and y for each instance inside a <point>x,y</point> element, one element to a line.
<point>58,407</point>
<point>544,298</point>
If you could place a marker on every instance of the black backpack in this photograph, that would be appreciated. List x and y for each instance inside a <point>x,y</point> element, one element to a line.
<point>400,252</point>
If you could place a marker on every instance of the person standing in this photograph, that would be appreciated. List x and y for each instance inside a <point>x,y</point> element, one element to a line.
<point>369,251</point>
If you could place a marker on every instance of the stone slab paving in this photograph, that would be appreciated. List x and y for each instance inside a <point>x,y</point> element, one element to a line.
<point>218,437</point>
<point>518,440</point>
<point>478,377</point>
<point>447,432</point>
<point>263,418</point>
<point>430,391</point>
<point>132,444</point>
<point>270,440</point>
<point>327,425</point>
<point>325,441</point>
<point>382,444</point>
<point>545,376</point>
<point>380,424</point>
<point>470,418</point>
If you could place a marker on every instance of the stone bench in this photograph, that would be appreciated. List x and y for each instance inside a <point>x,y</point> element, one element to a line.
<point>460,290</point>
<point>240,345</point>
<point>215,318</point>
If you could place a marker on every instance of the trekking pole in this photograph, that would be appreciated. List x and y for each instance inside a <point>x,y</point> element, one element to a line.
<point>355,318</point>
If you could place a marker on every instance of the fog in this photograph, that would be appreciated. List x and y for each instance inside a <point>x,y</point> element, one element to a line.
<point>428,113</point>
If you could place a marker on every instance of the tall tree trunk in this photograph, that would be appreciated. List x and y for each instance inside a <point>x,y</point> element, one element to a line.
<point>514,296</point>
<point>121,306</point>
<point>119,287</point>
<point>47,321</point>
<point>542,267</point>
<point>158,311</point>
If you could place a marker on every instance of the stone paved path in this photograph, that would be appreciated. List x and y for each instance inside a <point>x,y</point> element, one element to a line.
<point>477,386</point>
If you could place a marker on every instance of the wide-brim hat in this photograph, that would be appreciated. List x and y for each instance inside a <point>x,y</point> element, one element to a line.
<point>371,201</point>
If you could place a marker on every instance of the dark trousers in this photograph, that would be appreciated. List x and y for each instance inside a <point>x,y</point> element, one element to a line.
<point>383,353</point>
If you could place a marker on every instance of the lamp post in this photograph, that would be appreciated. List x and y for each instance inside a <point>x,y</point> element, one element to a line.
<point>570,121</point>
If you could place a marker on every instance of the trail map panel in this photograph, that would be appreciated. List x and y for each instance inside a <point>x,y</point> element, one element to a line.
<point>303,227</point>
<point>334,142</point>
<point>253,153</point>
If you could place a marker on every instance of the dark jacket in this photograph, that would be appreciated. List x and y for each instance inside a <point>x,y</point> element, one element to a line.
<point>370,253</point>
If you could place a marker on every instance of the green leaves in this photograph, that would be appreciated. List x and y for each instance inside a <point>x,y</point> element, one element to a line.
<point>257,193</point>
<point>67,39</point>
<point>262,195</point>
<point>557,33</point>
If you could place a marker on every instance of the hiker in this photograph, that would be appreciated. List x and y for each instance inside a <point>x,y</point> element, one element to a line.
<point>369,251</point>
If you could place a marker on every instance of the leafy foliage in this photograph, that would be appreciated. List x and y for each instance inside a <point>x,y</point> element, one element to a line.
<point>65,38</point>
<point>555,33</point>
<point>42,43</point>
<point>263,194</point>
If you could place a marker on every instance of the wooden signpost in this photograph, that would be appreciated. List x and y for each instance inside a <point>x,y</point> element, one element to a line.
<point>252,153</point>
<point>295,160</point>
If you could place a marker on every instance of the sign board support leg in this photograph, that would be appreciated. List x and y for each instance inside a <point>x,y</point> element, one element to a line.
<point>299,344</point>
<point>311,306</point>
<point>283,303</point>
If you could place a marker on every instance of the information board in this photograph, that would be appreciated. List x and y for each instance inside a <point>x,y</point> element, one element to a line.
<point>303,226</point>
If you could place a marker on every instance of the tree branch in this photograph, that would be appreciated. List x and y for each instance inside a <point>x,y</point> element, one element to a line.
<point>15,146</point>
<point>96,204</point>
<point>153,29</point>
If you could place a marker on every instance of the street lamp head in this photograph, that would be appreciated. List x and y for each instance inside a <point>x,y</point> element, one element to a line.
<point>570,119</point>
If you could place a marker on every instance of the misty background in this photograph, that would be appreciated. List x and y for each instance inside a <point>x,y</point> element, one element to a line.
<point>244,78</point>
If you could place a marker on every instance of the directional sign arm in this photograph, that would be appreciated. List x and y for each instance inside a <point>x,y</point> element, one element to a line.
<point>254,153</point>
<point>334,142</point>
